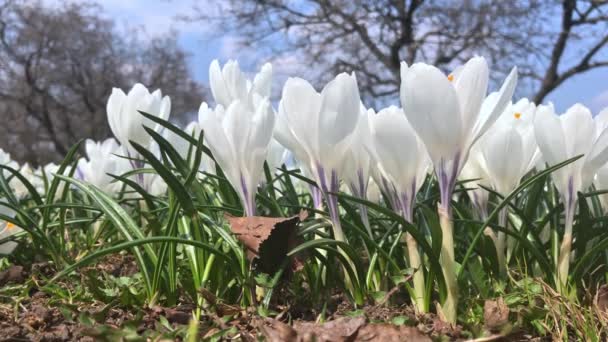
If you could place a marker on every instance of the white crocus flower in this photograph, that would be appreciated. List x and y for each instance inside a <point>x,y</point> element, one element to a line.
<point>474,171</point>
<point>357,161</point>
<point>277,155</point>
<point>7,230</point>
<point>601,183</point>
<point>509,153</point>
<point>446,113</point>
<point>230,84</point>
<point>5,159</point>
<point>185,149</point>
<point>238,139</point>
<point>154,184</point>
<point>357,164</point>
<point>374,194</point>
<point>102,161</point>
<point>560,138</point>
<point>508,157</point>
<point>601,176</point>
<point>127,123</point>
<point>317,128</point>
<point>47,174</point>
<point>16,185</point>
<point>405,170</point>
<point>19,188</point>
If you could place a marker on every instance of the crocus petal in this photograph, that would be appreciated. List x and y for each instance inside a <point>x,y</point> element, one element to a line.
<point>262,82</point>
<point>114,109</point>
<point>438,123</point>
<point>550,136</point>
<point>471,87</point>
<point>488,117</point>
<point>579,130</point>
<point>503,153</point>
<point>218,87</point>
<point>301,107</point>
<point>340,107</point>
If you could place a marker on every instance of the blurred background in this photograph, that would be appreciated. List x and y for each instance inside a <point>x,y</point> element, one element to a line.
<point>60,59</point>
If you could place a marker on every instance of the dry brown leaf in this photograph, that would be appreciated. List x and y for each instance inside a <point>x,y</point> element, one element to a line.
<point>343,329</point>
<point>601,298</point>
<point>277,331</point>
<point>390,333</point>
<point>14,274</point>
<point>268,239</point>
<point>221,309</point>
<point>495,314</point>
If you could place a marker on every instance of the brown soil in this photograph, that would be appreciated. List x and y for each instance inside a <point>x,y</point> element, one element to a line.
<point>38,317</point>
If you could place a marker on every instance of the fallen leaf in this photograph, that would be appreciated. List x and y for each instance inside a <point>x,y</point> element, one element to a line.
<point>177,316</point>
<point>344,329</point>
<point>495,314</point>
<point>221,309</point>
<point>601,298</point>
<point>267,239</point>
<point>390,333</point>
<point>14,274</point>
<point>277,331</point>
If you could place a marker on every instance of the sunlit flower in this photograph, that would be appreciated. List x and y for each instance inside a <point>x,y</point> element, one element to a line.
<point>317,128</point>
<point>565,136</point>
<point>5,159</point>
<point>100,163</point>
<point>357,163</point>
<point>230,84</point>
<point>127,123</point>
<point>405,170</point>
<point>238,138</point>
<point>185,149</point>
<point>446,112</point>
<point>7,230</point>
<point>474,172</point>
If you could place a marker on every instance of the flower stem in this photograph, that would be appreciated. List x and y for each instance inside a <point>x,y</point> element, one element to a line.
<point>416,264</point>
<point>365,219</point>
<point>563,261</point>
<point>334,215</point>
<point>406,202</point>
<point>329,187</point>
<point>447,310</point>
<point>500,243</point>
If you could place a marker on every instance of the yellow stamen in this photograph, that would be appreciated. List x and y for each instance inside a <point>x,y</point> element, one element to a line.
<point>517,115</point>
<point>450,77</point>
<point>10,226</point>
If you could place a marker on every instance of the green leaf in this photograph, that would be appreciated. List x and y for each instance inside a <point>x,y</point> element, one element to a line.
<point>90,258</point>
<point>525,184</point>
<point>123,222</point>
<point>172,182</point>
<point>432,257</point>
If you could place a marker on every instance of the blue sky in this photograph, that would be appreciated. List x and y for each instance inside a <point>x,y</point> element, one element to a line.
<point>204,45</point>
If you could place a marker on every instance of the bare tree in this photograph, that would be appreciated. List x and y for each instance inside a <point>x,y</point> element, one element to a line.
<point>371,37</point>
<point>58,67</point>
<point>584,28</point>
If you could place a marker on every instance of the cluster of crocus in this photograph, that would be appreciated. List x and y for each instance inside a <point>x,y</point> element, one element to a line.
<point>447,128</point>
<point>239,129</point>
<point>499,160</point>
<point>565,136</point>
